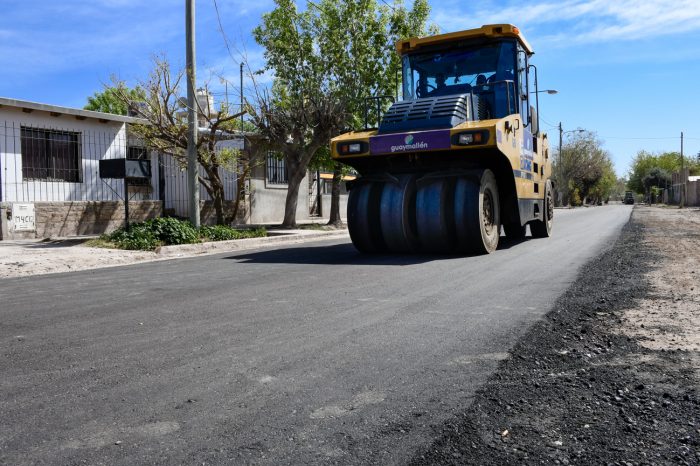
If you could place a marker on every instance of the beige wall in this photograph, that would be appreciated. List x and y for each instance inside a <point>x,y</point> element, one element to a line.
<point>267,200</point>
<point>60,219</point>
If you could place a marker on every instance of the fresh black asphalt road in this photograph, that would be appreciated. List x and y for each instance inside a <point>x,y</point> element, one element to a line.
<point>307,354</point>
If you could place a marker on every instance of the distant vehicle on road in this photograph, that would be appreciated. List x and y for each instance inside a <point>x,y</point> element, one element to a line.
<point>629,197</point>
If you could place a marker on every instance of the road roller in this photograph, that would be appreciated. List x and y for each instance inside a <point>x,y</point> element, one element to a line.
<point>459,156</point>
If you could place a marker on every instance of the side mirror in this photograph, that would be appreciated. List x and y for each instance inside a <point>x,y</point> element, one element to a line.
<point>535,121</point>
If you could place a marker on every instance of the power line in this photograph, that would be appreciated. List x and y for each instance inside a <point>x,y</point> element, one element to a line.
<point>628,138</point>
<point>551,125</point>
<point>221,29</point>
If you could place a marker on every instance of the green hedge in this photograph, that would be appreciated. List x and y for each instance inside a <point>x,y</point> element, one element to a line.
<point>164,231</point>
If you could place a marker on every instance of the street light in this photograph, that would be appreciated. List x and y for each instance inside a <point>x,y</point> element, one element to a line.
<point>562,133</point>
<point>548,91</point>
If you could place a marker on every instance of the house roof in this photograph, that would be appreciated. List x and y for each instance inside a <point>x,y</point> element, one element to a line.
<point>57,110</point>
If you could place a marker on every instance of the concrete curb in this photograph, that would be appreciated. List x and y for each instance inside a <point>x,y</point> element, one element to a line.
<point>185,250</point>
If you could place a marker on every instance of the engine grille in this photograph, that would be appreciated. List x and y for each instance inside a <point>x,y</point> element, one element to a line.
<point>428,113</point>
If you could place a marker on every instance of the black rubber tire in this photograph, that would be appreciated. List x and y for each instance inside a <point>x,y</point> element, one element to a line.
<point>477,213</point>
<point>397,215</point>
<point>363,217</point>
<point>435,215</point>
<point>543,228</point>
<point>514,230</point>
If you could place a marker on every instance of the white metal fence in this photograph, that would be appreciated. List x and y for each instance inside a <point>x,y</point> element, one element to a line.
<point>54,164</point>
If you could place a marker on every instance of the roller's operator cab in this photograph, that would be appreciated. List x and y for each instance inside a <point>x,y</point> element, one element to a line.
<point>460,156</point>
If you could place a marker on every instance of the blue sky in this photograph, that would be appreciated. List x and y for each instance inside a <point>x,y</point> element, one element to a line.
<point>628,70</point>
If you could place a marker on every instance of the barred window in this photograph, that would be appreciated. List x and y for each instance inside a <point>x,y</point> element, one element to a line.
<point>51,155</point>
<point>276,169</point>
<point>136,153</point>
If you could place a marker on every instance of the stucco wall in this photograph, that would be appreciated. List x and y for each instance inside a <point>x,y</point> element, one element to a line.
<point>326,206</point>
<point>267,200</point>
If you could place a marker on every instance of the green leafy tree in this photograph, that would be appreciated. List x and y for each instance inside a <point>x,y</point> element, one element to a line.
<point>619,189</point>
<point>326,60</point>
<point>656,177</point>
<point>644,162</point>
<point>111,99</point>
<point>601,191</point>
<point>583,172</point>
<point>360,38</point>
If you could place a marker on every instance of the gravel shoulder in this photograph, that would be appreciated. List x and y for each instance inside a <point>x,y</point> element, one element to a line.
<point>611,375</point>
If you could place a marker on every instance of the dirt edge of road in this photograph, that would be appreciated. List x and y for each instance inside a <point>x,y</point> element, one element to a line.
<point>30,258</point>
<point>582,387</point>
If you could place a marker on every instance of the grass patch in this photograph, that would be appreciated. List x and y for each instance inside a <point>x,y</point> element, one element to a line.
<point>100,243</point>
<point>225,233</point>
<point>164,231</point>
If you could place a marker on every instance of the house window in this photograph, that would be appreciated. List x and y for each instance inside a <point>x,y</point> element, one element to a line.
<point>276,169</point>
<point>51,155</point>
<point>136,153</point>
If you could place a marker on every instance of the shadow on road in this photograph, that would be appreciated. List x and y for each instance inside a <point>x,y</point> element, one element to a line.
<point>336,254</point>
<point>346,254</point>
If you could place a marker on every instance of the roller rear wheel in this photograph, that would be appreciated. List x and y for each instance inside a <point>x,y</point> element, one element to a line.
<point>435,216</point>
<point>397,214</point>
<point>363,217</point>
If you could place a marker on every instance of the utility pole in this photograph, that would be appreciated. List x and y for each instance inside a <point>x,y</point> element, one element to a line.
<point>192,123</point>
<point>241,109</point>
<point>558,174</point>
<point>228,109</point>
<point>561,134</point>
<point>683,179</point>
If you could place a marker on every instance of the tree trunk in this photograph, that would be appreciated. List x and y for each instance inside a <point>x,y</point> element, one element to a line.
<point>334,218</point>
<point>298,159</point>
<point>240,193</point>
<point>242,174</point>
<point>295,175</point>
<point>290,203</point>
<point>217,192</point>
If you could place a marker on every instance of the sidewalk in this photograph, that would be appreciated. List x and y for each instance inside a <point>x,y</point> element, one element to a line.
<point>34,257</point>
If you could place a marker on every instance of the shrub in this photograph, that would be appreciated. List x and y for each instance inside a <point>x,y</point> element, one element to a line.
<point>137,237</point>
<point>155,232</point>
<point>172,231</point>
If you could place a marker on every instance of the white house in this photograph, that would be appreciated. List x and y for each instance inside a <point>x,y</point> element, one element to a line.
<point>50,183</point>
<point>49,174</point>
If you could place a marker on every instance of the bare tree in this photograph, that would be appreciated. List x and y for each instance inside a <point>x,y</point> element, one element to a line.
<point>165,130</point>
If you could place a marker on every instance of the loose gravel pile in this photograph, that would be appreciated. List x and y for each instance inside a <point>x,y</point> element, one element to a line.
<point>578,389</point>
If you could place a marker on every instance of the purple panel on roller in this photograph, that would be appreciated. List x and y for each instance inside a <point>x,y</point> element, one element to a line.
<point>398,143</point>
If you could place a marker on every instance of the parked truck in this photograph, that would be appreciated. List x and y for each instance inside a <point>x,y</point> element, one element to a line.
<point>459,156</point>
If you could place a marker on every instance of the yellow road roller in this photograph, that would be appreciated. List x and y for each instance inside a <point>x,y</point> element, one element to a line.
<point>459,156</point>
